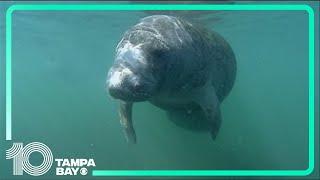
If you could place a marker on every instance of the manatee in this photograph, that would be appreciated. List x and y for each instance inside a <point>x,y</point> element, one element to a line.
<point>178,66</point>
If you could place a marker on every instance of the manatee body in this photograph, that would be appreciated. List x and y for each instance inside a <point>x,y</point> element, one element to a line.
<point>175,65</point>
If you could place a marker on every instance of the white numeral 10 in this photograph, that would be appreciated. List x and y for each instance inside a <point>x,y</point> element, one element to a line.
<point>21,156</point>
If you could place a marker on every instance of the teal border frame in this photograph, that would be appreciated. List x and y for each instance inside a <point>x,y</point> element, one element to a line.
<point>119,7</point>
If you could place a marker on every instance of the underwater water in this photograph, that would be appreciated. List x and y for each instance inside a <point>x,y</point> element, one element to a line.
<point>60,60</point>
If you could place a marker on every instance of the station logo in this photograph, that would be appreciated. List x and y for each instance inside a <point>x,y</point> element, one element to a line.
<point>63,166</point>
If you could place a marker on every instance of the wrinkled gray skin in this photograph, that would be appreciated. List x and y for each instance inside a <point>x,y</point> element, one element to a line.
<point>174,65</point>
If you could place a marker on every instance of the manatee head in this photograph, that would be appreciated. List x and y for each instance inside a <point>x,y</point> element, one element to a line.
<point>136,73</point>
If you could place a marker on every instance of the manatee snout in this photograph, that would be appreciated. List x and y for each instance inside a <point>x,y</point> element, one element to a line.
<point>130,83</point>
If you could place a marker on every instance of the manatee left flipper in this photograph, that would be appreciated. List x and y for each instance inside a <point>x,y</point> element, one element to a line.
<point>207,99</point>
<point>125,113</point>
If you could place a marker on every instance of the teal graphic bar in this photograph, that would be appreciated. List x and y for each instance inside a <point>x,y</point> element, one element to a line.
<point>200,172</point>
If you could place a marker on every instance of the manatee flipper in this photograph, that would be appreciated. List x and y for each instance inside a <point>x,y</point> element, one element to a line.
<point>209,103</point>
<point>215,123</point>
<point>125,113</point>
<point>191,119</point>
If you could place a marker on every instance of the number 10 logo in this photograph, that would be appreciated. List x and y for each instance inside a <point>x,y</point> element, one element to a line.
<point>21,155</point>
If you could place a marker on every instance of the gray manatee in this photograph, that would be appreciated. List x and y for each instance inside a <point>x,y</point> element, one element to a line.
<point>175,65</point>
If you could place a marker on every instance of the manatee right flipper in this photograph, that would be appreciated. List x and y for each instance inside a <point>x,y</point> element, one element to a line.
<point>207,99</point>
<point>125,113</point>
<point>215,123</point>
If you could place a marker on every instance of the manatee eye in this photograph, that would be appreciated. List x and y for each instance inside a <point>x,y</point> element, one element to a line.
<point>137,87</point>
<point>158,53</point>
